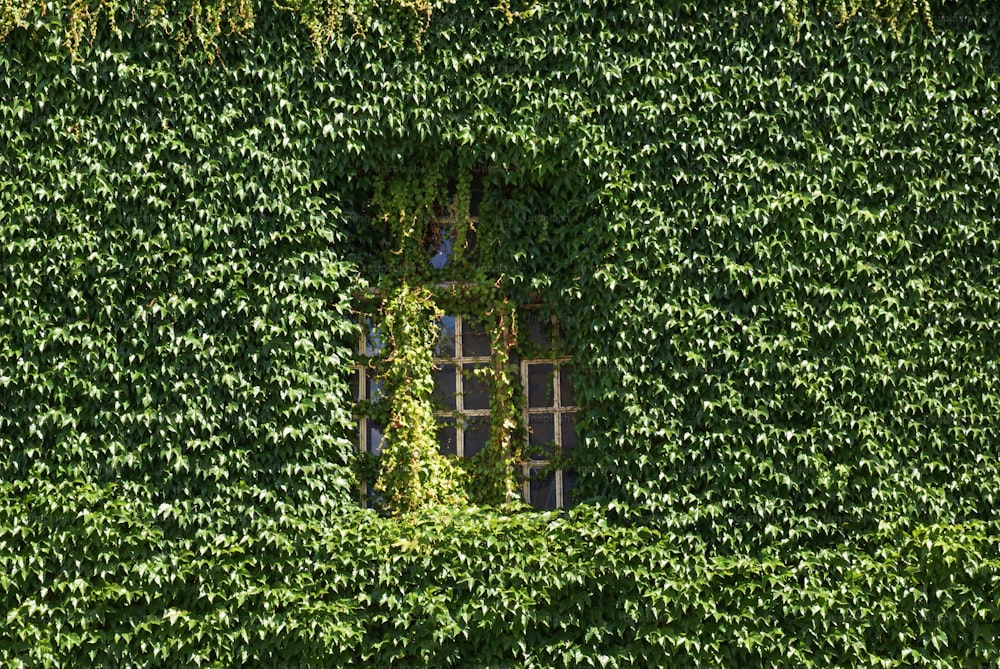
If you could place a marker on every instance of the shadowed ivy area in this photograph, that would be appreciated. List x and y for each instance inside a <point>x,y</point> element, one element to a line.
<point>772,249</point>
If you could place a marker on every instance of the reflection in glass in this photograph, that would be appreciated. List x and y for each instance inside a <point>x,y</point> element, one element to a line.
<point>445,347</point>
<point>442,250</point>
<point>373,339</point>
<point>375,438</point>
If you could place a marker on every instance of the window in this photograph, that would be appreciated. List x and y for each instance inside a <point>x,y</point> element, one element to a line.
<point>550,417</point>
<point>462,401</point>
<point>462,358</point>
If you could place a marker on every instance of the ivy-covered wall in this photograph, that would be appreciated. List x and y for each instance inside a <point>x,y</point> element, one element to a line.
<point>773,250</point>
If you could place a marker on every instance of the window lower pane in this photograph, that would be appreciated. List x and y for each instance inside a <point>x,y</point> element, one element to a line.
<point>372,498</point>
<point>543,489</point>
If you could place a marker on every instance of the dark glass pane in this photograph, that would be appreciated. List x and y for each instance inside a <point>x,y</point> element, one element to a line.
<point>477,391</point>
<point>445,347</point>
<point>356,385</point>
<point>540,385</point>
<point>569,484</point>
<point>444,386</point>
<point>477,433</point>
<point>475,339</point>
<point>476,191</point>
<point>543,490</point>
<point>470,244</point>
<point>375,438</point>
<point>447,436</point>
<point>566,386</point>
<point>568,431</point>
<point>541,428</point>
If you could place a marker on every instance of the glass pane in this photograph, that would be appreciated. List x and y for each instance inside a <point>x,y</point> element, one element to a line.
<point>356,385</point>
<point>447,436</point>
<point>374,387</point>
<point>375,438</point>
<point>566,386</point>
<point>540,385</point>
<point>441,247</point>
<point>541,429</point>
<point>372,498</point>
<point>444,386</point>
<point>543,490</point>
<point>477,433</point>
<point>446,343</point>
<point>568,431</point>
<point>476,393</point>
<point>569,484</point>
<point>475,339</point>
<point>470,243</point>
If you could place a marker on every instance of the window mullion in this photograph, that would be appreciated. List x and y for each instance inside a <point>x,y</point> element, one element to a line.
<point>459,390</point>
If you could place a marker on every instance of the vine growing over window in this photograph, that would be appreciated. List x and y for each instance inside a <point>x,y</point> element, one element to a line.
<point>414,474</point>
<point>417,209</point>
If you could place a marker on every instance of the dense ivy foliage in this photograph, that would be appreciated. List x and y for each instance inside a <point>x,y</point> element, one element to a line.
<point>205,23</point>
<point>414,474</point>
<point>468,588</point>
<point>774,254</point>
